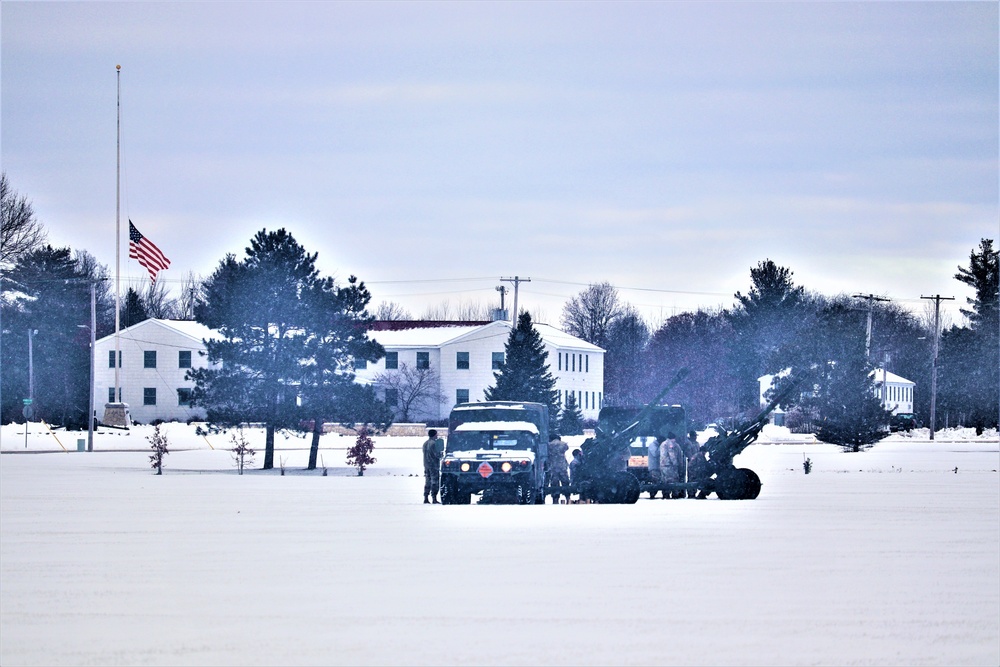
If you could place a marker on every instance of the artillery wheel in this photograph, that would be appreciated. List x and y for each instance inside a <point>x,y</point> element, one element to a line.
<point>621,488</point>
<point>629,487</point>
<point>738,484</point>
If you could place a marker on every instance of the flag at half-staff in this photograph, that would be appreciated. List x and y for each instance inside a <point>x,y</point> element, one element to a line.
<point>144,250</point>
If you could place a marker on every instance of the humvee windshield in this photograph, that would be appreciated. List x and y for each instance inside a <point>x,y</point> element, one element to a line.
<point>469,440</point>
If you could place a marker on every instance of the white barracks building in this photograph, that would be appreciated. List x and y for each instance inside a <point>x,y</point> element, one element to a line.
<point>464,357</point>
<point>156,355</point>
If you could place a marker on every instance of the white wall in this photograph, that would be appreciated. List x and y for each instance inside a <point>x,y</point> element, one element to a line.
<point>166,378</point>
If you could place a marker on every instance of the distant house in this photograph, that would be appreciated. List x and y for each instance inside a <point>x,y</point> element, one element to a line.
<point>466,354</point>
<point>896,392</point>
<point>155,355</point>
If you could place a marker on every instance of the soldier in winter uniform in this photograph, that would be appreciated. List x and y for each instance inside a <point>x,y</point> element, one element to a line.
<point>574,466</point>
<point>653,462</point>
<point>692,450</point>
<point>558,468</point>
<point>432,467</point>
<point>671,463</point>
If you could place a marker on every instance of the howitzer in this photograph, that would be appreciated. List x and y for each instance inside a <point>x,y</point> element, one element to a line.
<point>718,473</point>
<point>603,475</point>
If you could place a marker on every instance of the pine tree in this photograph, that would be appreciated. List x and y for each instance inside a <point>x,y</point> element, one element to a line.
<point>571,418</point>
<point>285,332</point>
<point>851,414</point>
<point>970,360</point>
<point>524,374</point>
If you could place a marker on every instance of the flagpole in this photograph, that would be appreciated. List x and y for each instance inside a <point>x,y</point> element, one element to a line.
<point>118,235</point>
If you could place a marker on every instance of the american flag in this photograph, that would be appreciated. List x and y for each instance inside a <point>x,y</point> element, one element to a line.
<point>142,249</point>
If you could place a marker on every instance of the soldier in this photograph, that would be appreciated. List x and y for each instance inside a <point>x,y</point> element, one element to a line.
<point>653,462</point>
<point>558,469</point>
<point>432,467</point>
<point>691,451</point>
<point>574,466</point>
<point>671,463</point>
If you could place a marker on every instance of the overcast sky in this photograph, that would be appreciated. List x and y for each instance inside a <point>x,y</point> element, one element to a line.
<point>432,148</point>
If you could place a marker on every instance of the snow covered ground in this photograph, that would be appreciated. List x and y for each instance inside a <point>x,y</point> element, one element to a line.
<point>890,556</point>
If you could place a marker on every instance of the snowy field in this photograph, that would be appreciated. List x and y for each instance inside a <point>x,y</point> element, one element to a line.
<point>890,556</point>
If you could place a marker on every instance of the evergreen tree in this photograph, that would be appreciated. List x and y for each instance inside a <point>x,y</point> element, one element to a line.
<point>133,309</point>
<point>284,330</point>
<point>328,389</point>
<point>851,414</point>
<point>524,374</point>
<point>48,291</point>
<point>571,417</point>
<point>765,322</point>
<point>970,361</point>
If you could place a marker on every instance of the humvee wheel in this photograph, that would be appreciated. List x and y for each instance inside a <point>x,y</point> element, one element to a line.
<point>526,493</point>
<point>738,484</point>
<point>449,492</point>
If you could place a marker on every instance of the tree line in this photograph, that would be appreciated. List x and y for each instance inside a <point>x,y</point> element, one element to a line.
<point>301,349</point>
<point>779,327</point>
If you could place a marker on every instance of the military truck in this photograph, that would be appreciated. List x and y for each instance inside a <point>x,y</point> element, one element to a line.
<point>497,448</point>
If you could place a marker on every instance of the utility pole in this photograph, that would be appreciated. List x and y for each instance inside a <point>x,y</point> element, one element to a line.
<point>93,343</point>
<point>517,280</point>
<point>871,298</point>
<point>934,355</point>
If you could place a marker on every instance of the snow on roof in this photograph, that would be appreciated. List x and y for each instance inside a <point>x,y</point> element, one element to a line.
<point>889,377</point>
<point>498,426</point>
<point>444,335</point>
<point>422,337</point>
<point>194,330</point>
<point>491,406</point>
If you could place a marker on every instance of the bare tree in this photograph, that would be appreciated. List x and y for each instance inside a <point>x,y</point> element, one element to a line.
<point>20,233</point>
<point>589,314</point>
<point>158,303</point>
<point>190,290</point>
<point>473,311</point>
<point>390,310</point>
<point>442,311</point>
<point>416,389</point>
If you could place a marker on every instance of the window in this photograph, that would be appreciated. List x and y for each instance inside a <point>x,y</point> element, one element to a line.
<point>462,360</point>
<point>111,359</point>
<point>497,360</point>
<point>184,396</point>
<point>149,359</point>
<point>111,395</point>
<point>391,397</point>
<point>360,364</point>
<point>149,396</point>
<point>423,360</point>
<point>560,361</point>
<point>574,362</point>
<point>391,360</point>
<point>461,395</point>
<point>587,359</point>
<point>184,359</point>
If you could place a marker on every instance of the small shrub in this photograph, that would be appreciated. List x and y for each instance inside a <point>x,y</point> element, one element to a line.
<point>242,452</point>
<point>807,464</point>
<point>158,443</point>
<point>360,455</point>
